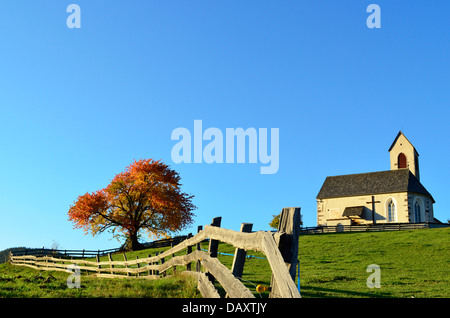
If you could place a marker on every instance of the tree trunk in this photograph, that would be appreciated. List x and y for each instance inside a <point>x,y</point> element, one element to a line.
<point>132,243</point>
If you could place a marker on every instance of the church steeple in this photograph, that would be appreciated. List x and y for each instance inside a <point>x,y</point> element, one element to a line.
<point>404,155</point>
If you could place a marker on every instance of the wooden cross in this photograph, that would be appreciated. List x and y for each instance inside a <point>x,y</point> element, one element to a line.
<point>373,208</point>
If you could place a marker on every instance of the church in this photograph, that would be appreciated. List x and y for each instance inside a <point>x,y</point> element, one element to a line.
<point>392,196</point>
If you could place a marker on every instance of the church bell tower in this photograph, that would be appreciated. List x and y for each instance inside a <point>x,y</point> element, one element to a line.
<point>404,155</point>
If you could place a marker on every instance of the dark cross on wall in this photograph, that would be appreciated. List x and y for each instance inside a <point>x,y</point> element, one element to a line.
<point>373,208</point>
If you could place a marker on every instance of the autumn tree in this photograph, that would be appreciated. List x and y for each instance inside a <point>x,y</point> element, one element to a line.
<point>145,198</point>
<point>275,221</point>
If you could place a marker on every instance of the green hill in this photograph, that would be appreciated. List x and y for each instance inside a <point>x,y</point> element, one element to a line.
<point>5,253</point>
<point>412,263</point>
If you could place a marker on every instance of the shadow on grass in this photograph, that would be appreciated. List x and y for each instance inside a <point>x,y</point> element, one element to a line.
<point>320,292</point>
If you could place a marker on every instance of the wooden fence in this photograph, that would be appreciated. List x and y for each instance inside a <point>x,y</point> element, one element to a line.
<point>40,252</point>
<point>370,227</point>
<point>93,253</point>
<point>207,267</point>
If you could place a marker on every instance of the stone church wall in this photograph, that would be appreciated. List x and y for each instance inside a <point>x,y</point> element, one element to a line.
<point>329,211</point>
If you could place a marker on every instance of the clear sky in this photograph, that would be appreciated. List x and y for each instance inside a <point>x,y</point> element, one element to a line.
<point>79,105</point>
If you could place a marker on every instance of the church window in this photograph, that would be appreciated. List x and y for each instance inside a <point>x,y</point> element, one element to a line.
<point>391,211</point>
<point>401,161</point>
<point>417,212</point>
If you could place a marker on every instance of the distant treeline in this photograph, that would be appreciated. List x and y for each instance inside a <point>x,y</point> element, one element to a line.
<point>5,253</point>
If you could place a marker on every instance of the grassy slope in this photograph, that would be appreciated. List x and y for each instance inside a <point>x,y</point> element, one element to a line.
<point>18,281</point>
<point>413,264</point>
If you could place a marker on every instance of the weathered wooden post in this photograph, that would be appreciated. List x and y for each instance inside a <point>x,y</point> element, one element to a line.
<point>137,257</point>
<point>162,262</point>
<point>126,265</point>
<point>97,258</point>
<point>111,265</point>
<point>239,255</point>
<point>214,245</point>
<point>150,272</point>
<point>288,235</point>
<point>199,248</point>
<point>189,251</point>
<point>174,267</point>
<point>156,271</point>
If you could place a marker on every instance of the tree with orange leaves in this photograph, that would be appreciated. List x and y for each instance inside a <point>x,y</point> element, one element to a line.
<point>146,197</point>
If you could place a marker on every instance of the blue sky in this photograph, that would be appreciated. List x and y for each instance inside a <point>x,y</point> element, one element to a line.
<point>79,105</point>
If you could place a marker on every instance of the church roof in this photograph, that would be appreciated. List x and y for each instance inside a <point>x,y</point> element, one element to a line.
<point>395,141</point>
<point>391,181</point>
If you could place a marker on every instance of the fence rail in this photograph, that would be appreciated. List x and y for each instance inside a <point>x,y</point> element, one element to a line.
<point>370,227</point>
<point>93,253</point>
<point>40,252</point>
<point>207,266</point>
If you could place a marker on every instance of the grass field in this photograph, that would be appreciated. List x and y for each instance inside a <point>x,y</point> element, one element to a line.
<point>23,282</point>
<point>413,264</point>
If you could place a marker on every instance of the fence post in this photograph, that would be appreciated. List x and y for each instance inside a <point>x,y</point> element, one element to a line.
<point>239,254</point>
<point>137,257</point>
<point>111,265</point>
<point>156,272</point>
<point>289,224</point>
<point>214,245</point>
<point>97,258</point>
<point>174,268</point>
<point>199,248</point>
<point>162,262</point>
<point>126,265</point>
<point>150,272</point>
<point>189,251</point>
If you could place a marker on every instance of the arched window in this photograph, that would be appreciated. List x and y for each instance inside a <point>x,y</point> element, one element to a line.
<point>391,211</point>
<point>417,217</point>
<point>401,161</point>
